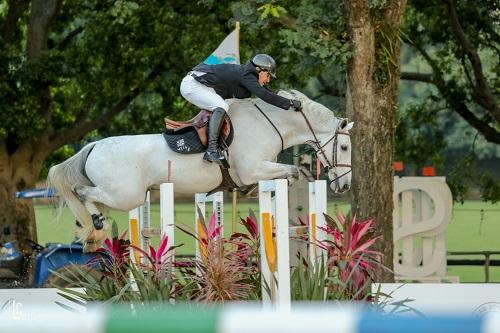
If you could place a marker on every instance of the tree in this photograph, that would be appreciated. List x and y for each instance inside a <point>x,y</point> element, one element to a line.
<point>69,68</point>
<point>373,77</point>
<point>461,43</point>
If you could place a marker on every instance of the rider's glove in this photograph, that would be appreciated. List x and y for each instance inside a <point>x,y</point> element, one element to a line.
<point>295,104</point>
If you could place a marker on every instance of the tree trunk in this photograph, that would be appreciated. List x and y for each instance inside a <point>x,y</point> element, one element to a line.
<point>17,221</point>
<point>21,162</point>
<point>19,171</point>
<point>373,78</point>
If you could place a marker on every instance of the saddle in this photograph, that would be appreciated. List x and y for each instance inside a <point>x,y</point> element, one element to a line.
<point>191,137</point>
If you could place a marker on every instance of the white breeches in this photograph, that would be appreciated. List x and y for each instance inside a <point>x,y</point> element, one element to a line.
<point>200,95</point>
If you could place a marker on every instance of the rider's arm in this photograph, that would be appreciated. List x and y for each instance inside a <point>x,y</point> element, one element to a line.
<point>252,84</point>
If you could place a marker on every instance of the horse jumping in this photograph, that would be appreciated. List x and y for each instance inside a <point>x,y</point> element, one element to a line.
<point>116,172</point>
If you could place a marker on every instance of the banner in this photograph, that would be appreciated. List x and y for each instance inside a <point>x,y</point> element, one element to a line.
<point>228,52</point>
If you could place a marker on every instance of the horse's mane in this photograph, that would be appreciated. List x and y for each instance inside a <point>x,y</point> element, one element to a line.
<point>314,109</point>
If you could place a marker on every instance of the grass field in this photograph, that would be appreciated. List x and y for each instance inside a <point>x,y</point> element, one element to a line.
<point>475,226</point>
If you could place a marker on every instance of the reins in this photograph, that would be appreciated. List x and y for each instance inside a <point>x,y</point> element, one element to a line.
<point>274,126</point>
<point>317,143</point>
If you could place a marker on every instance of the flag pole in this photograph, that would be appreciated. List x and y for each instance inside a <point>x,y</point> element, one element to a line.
<point>238,39</point>
<point>235,192</point>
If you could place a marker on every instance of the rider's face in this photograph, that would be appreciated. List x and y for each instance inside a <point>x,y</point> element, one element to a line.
<point>264,77</point>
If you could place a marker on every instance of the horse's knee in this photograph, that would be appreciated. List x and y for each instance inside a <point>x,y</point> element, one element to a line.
<point>80,192</point>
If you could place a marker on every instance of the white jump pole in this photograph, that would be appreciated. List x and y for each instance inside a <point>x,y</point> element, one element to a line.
<point>275,256</point>
<point>140,230</point>
<point>317,209</point>
<point>200,200</point>
<point>167,227</point>
<point>138,221</point>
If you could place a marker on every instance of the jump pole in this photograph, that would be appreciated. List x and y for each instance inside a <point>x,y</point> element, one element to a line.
<point>167,226</point>
<point>140,230</point>
<point>200,201</point>
<point>139,219</point>
<point>275,255</point>
<point>317,209</point>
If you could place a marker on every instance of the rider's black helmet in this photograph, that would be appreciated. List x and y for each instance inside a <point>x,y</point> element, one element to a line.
<point>265,62</point>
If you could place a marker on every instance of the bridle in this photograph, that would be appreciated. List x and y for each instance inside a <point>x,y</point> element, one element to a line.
<point>317,143</point>
<point>321,151</point>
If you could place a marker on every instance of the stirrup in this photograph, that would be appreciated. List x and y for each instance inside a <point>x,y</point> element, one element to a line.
<point>217,157</point>
<point>212,156</point>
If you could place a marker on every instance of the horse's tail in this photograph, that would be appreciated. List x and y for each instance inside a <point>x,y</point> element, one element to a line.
<point>64,177</point>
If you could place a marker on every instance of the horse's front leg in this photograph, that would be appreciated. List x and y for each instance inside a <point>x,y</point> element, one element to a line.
<point>266,170</point>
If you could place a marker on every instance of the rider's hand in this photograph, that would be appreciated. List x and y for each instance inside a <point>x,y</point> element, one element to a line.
<point>296,104</point>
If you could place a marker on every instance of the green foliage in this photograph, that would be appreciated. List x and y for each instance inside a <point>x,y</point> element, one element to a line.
<point>377,4</point>
<point>419,139</point>
<point>308,282</point>
<point>153,280</point>
<point>428,24</point>
<point>306,38</point>
<point>455,97</point>
<point>490,188</point>
<point>271,9</point>
<point>224,270</point>
<point>386,53</point>
<point>98,51</point>
<point>466,174</point>
<point>459,178</point>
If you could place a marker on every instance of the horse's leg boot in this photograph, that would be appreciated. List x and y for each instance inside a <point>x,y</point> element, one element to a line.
<point>98,221</point>
<point>214,127</point>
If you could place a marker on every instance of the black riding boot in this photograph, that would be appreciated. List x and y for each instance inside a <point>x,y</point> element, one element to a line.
<point>214,126</point>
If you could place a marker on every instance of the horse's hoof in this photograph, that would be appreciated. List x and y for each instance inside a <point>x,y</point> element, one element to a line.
<point>98,221</point>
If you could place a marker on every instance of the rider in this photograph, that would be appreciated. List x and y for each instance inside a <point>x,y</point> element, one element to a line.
<point>207,87</point>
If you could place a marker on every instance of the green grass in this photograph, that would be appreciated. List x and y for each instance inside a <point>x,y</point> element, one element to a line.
<point>475,226</point>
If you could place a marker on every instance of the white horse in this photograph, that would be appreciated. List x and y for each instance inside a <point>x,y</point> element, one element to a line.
<point>116,172</point>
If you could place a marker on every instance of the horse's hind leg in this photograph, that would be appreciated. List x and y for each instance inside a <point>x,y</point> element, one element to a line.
<point>89,197</point>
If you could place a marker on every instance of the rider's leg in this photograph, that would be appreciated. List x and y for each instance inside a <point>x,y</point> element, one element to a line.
<point>202,96</point>
<point>215,125</point>
<point>206,98</point>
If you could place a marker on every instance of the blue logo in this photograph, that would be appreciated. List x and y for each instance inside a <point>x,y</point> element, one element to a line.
<point>214,60</point>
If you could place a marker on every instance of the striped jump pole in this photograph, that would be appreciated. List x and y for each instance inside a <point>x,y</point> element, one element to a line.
<point>140,229</point>
<point>319,318</point>
<point>317,209</point>
<point>274,251</point>
<point>139,219</point>
<point>200,206</point>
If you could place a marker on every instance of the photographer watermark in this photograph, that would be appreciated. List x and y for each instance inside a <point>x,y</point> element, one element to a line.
<point>12,309</point>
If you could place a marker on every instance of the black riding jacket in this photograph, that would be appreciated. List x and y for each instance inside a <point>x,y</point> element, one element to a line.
<point>238,81</point>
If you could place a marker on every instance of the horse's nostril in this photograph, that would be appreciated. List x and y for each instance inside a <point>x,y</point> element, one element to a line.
<point>346,186</point>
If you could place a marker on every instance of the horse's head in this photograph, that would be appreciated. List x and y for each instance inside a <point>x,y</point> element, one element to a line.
<point>331,140</point>
<point>340,174</point>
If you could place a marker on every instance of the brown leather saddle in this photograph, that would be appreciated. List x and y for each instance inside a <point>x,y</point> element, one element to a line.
<point>200,125</point>
<point>191,137</point>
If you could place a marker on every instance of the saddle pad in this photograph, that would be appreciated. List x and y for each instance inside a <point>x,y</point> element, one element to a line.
<point>185,142</point>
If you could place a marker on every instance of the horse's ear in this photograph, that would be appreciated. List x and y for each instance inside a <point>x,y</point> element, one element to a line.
<point>349,126</point>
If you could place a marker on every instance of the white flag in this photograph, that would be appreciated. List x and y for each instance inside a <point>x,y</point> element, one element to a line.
<point>228,52</point>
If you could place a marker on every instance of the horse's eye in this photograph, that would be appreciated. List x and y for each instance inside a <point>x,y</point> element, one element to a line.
<point>344,147</point>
